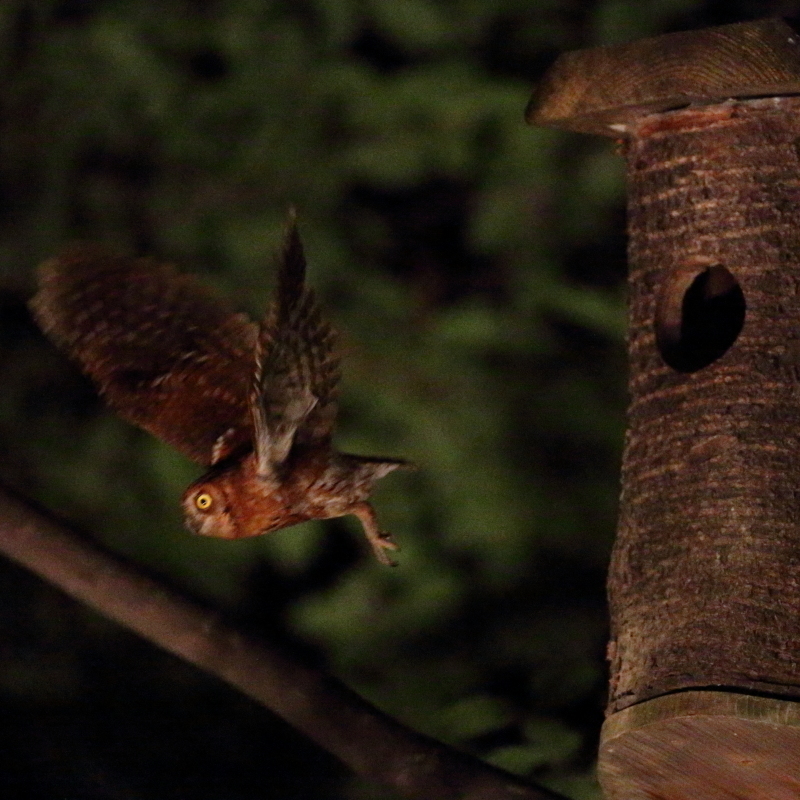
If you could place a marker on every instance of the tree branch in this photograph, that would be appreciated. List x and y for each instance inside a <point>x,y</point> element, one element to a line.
<point>372,744</point>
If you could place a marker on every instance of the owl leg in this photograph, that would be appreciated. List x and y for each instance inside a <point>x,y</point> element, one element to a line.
<point>381,541</point>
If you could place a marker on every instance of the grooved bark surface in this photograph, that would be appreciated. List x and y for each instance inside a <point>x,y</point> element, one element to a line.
<point>705,577</point>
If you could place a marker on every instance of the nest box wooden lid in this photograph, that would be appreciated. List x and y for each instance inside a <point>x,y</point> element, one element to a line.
<point>604,89</point>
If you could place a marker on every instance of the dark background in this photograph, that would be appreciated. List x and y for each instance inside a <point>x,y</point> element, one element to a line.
<point>475,267</point>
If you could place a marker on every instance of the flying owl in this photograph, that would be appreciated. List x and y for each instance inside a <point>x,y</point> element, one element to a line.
<point>256,404</point>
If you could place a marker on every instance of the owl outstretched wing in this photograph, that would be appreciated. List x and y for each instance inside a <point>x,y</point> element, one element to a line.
<point>297,370</point>
<point>166,353</point>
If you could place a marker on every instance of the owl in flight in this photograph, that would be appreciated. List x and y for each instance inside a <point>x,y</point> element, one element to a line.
<point>256,404</point>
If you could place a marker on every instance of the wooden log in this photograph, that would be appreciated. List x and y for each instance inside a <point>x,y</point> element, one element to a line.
<point>704,584</point>
<point>714,745</point>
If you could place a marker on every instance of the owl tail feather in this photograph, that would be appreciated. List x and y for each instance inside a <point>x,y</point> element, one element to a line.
<point>371,468</point>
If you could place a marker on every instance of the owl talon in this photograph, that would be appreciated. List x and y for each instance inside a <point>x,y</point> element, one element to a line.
<point>379,540</point>
<point>381,544</point>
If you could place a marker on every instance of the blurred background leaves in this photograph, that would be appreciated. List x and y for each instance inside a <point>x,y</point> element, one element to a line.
<point>475,267</point>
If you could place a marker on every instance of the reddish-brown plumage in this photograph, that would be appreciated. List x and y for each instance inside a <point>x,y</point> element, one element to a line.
<point>257,404</point>
<point>165,353</point>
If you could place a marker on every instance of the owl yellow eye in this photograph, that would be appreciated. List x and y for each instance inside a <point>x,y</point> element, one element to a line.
<point>204,501</point>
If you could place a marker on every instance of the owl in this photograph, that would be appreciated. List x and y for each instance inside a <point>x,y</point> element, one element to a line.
<point>255,404</point>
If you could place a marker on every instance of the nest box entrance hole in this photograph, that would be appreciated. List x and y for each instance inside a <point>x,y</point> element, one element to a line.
<point>699,315</point>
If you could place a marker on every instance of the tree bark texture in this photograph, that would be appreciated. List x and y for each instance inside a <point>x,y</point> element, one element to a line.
<point>704,584</point>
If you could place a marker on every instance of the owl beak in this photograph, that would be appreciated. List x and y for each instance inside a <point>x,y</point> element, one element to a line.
<point>194,526</point>
<point>211,528</point>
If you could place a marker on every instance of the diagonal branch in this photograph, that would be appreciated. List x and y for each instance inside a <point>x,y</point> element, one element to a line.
<point>372,744</point>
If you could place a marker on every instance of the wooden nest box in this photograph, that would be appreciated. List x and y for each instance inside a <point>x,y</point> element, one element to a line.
<point>704,584</point>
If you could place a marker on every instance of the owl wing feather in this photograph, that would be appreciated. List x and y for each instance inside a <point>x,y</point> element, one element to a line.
<point>166,353</point>
<point>294,393</point>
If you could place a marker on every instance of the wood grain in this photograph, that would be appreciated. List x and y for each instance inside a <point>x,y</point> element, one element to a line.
<point>604,89</point>
<point>714,745</point>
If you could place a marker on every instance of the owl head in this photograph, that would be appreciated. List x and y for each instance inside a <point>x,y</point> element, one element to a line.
<point>234,503</point>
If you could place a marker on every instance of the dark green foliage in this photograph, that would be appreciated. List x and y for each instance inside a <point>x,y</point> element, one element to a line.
<point>475,268</point>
